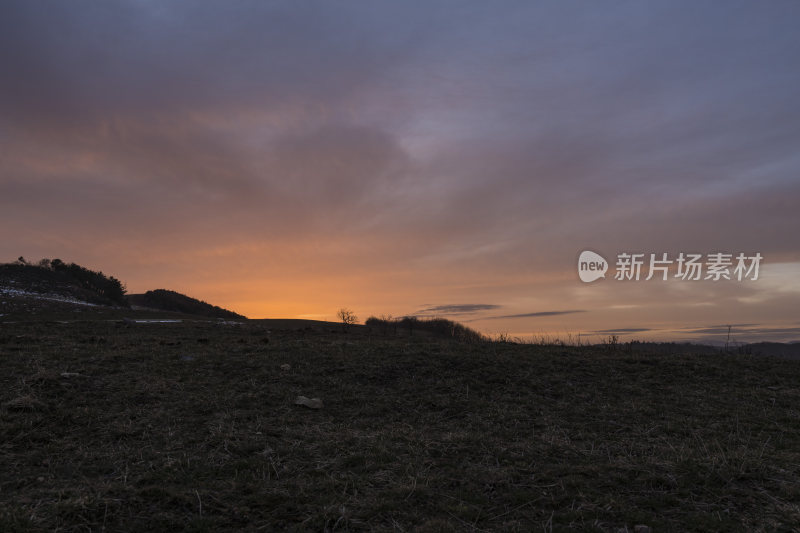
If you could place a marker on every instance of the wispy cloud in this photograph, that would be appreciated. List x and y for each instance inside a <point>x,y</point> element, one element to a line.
<point>622,330</point>
<point>456,309</point>
<point>738,331</point>
<point>536,314</point>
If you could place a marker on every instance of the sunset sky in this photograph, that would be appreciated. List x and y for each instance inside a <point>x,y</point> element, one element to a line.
<point>286,159</point>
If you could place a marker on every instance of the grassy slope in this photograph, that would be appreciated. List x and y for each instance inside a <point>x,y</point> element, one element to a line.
<point>192,427</point>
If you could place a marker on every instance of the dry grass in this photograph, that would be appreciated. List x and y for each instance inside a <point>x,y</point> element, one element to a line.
<point>193,427</point>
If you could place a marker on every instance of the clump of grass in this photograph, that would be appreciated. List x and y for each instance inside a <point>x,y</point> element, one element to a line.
<point>26,402</point>
<point>440,327</point>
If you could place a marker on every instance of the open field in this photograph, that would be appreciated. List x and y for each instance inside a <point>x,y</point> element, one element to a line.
<point>192,426</point>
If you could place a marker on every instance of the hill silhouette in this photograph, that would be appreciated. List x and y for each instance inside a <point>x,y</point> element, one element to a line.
<point>166,300</point>
<point>54,286</point>
<point>57,280</point>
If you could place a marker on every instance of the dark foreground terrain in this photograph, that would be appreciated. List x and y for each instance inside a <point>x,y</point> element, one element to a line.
<point>107,425</point>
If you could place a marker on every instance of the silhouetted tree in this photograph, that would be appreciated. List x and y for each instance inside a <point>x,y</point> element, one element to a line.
<point>108,287</point>
<point>347,317</point>
<point>387,321</point>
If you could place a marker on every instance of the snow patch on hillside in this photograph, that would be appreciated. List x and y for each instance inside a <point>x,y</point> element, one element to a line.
<point>50,297</point>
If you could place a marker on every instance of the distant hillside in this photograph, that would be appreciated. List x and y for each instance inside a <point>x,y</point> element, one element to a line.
<point>60,281</point>
<point>777,349</point>
<point>166,300</point>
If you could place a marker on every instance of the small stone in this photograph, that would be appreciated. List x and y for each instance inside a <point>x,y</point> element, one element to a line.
<point>313,403</point>
<point>642,529</point>
<point>286,366</point>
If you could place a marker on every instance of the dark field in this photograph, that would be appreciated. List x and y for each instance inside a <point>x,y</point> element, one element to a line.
<point>192,426</point>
